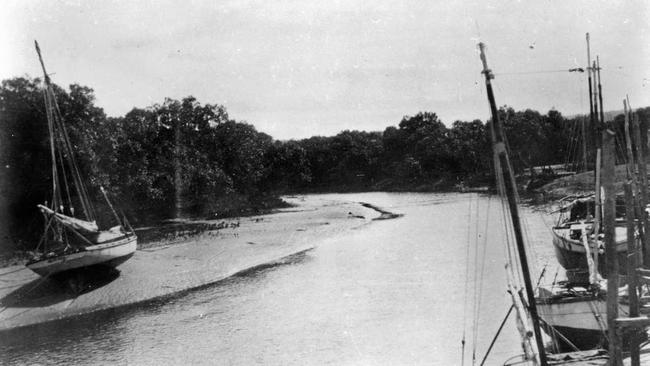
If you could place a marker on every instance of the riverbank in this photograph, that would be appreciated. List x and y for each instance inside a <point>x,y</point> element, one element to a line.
<point>580,184</point>
<point>174,266</point>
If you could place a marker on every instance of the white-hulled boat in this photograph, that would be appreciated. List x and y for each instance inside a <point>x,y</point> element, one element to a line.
<point>70,243</point>
<point>567,237</point>
<point>576,317</point>
<point>112,249</point>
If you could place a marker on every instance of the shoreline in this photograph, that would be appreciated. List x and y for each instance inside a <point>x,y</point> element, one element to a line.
<point>173,268</point>
<point>385,215</point>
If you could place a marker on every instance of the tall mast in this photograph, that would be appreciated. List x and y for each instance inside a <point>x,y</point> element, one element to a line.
<point>591,105</point>
<point>600,92</point>
<point>59,135</point>
<point>50,127</point>
<point>498,143</point>
<point>597,127</point>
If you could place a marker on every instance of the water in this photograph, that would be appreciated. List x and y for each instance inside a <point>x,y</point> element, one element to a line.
<point>388,293</point>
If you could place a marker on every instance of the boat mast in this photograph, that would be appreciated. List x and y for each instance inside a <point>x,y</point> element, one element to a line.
<point>591,108</point>
<point>600,92</point>
<point>59,134</point>
<point>596,126</point>
<point>499,148</point>
<point>50,126</point>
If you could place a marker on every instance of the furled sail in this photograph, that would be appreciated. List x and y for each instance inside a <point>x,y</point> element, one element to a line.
<point>82,226</point>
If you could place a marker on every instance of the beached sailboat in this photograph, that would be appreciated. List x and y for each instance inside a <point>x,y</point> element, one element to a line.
<point>587,210</point>
<point>530,310</point>
<point>568,244</point>
<point>576,310</point>
<point>71,243</point>
<point>617,321</point>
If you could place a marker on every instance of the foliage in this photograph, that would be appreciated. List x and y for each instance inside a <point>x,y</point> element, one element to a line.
<point>182,157</point>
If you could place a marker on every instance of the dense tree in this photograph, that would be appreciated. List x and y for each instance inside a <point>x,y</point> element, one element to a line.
<point>184,157</point>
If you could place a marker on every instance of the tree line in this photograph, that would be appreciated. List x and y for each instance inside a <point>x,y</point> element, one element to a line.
<point>182,157</point>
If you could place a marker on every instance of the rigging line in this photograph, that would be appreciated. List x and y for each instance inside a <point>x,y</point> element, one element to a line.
<point>505,228</point>
<point>477,247</point>
<point>83,196</point>
<point>479,285</point>
<point>507,220</point>
<point>38,283</point>
<point>568,148</point>
<point>539,72</point>
<point>90,214</point>
<point>599,320</point>
<point>467,254</point>
<point>569,145</point>
<point>53,156</point>
<point>562,337</point>
<point>483,260</point>
<point>577,140</point>
<point>487,353</point>
<point>515,270</point>
<point>65,183</point>
<point>530,248</point>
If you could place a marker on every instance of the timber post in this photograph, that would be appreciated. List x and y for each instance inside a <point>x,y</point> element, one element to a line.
<point>631,272</point>
<point>609,217</point>
<point>642,194</point>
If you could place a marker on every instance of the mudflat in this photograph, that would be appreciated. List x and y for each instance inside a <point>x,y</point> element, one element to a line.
<point>168,268</point>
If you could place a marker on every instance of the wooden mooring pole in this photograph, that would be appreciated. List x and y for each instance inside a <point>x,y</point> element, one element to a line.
<point>609,215</point>
<point>632,264</point>
<point>642,186</point>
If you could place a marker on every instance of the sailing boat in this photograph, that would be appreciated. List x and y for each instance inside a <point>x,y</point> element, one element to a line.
<point>524,302</point>
<point>575,311</point>
<point>71,243</point>
<point>567,233</point>
<point>568,238</point>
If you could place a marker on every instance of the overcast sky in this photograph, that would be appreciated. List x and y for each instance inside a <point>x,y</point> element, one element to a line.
<point>296,69</point>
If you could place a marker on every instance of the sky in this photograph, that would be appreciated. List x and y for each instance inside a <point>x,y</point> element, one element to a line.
<point>295,69</point>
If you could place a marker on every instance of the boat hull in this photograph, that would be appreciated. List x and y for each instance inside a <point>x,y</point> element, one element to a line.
<point>579,319</point>
<point>571,254</point>
<point>110,254</point>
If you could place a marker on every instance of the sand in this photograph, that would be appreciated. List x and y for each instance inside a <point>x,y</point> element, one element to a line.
<point>169,268</point>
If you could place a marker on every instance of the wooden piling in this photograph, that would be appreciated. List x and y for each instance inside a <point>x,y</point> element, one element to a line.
<point>631,271</point>
<point>642,194</point>
<point>609,215</point>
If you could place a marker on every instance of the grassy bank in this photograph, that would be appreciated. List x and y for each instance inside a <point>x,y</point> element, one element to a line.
<point>579,184</point>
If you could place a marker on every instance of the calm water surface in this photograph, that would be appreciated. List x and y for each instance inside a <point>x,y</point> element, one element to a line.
<point>388,293</point>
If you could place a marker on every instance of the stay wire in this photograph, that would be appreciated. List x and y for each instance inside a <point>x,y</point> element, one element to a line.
<point>467,262</point>
<point>479,287</point>
<point>539,72</point>
<point>507,224</point>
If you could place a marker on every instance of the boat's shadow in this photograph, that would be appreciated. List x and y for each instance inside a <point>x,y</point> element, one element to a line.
<point>49,291</point>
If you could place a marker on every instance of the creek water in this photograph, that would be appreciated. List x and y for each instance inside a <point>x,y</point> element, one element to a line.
<point>391,292</point>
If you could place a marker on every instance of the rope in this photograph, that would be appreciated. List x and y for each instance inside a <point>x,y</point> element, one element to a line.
<point>598,318</point>
<point>562,337</point>
<point>38,283</point>
<point>540,72</point>
<point>468,243</point>
<point>478,282</point>
<point>487,353</point>
<point>83,194</point>
<point>65,183</point>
